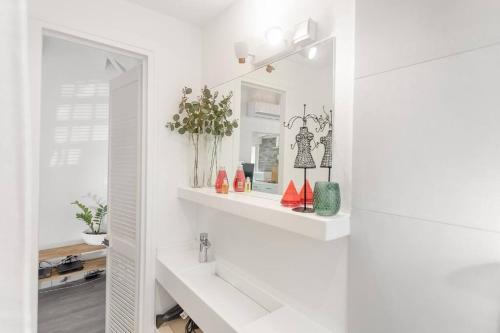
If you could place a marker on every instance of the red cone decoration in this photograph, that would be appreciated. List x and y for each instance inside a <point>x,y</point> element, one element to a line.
<point>309,194</point>
<point>290,197</point>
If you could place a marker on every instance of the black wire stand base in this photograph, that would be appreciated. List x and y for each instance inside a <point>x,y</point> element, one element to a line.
<point>303,209</point>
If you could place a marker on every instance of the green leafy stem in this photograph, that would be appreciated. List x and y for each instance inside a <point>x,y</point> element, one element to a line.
<point>92,218</point>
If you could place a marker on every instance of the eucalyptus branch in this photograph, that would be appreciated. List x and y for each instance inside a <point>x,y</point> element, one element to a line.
<point>205,115</point>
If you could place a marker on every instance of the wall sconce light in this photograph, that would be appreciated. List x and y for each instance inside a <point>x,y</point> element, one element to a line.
<point>311,53</point>
<point>305,32</point>
<point>283,42</point>
<point>275,35</point>
<point>241,51</point>
<point>270,68</point>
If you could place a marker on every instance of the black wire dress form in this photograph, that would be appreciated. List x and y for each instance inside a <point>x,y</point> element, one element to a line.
<point>304,159</point>
<point>327,142</point>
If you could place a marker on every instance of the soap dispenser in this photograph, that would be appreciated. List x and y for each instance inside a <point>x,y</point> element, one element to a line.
<point>219,182</point>
<point>239,180</point>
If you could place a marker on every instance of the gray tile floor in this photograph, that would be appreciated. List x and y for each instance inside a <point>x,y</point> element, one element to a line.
<point>78,307</point>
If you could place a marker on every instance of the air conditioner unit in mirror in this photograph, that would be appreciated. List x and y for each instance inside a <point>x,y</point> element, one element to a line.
<point>263,110</point>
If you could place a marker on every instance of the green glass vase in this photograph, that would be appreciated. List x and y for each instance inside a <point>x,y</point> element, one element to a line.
<point>326,198</point>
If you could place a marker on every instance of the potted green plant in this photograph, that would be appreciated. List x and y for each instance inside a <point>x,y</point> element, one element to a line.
<point>205,116</point>
<point>93,219</point>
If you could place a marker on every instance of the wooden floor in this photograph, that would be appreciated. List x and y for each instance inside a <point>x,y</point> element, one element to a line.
<point>78,307</point>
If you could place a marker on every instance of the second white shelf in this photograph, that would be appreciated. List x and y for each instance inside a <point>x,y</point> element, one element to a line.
<point>269,211</point>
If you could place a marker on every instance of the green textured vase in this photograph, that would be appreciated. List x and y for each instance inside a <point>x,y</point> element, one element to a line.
<point>326,198</point>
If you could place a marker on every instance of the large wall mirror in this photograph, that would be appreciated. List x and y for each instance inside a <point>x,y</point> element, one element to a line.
<point>267,97</point>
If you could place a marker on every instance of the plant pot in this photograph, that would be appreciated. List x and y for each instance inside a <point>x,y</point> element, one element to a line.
<point>93,239</point>
<point>326,198</point>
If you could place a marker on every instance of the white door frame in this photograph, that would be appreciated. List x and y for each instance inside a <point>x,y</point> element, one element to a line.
<point>150,136</point>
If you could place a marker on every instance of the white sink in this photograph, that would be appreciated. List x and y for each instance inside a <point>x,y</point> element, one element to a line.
<point>222,300</point>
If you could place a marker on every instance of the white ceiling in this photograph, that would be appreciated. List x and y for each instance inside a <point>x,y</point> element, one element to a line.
<point>198,12</point>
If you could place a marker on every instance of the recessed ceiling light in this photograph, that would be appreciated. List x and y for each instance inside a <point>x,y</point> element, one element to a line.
<point>311,54</point>
<point>274,35</point>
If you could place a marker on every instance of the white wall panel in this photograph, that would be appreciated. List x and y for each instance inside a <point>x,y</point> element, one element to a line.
<point>395,33</point>
<point>412,276</point>
<point>426,146</point>
<point>427,143</point>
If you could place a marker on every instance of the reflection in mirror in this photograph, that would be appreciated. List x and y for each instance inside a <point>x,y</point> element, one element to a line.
<point>260,120</point>
<point>263,100</point>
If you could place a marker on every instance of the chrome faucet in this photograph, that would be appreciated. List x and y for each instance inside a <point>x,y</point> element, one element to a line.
<point>204,245</point>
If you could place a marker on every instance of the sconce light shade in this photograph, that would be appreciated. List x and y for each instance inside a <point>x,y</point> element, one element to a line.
<point>305,32</point>
<point>275,36</point>
<point>241,51</point>
<point>311,53</point>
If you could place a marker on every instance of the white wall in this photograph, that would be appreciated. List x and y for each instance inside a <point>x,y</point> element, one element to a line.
<point>177,62</point>
<point>15,171</point>
<point>312,274</point>
<point>425,243</point>
<point>74,135</point>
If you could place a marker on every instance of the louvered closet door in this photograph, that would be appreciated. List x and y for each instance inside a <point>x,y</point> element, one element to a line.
<point>124,197</point>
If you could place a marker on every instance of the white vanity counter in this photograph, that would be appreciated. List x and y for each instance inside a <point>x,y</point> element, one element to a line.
<point>220,299</point>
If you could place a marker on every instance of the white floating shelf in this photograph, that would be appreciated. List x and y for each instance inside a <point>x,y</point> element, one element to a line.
<point>269,211</point>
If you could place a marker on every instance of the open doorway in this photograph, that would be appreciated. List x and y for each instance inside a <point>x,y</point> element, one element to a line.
<point>74,171</point>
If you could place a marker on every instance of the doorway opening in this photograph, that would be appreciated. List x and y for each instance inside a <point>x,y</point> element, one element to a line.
<point>74,173</point>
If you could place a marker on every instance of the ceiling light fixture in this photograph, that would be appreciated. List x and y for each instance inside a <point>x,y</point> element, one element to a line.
<point>274,35</point>
<point>311,54</point>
